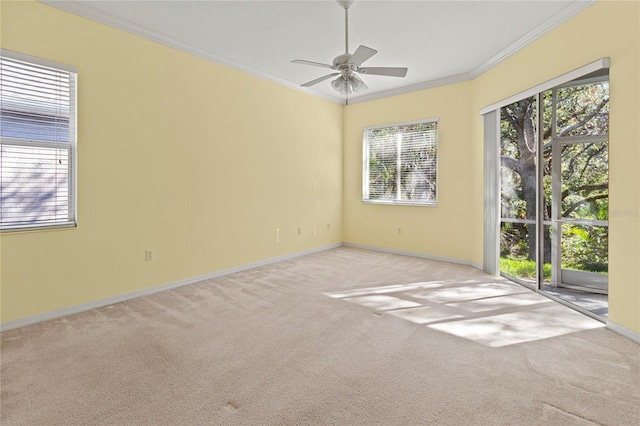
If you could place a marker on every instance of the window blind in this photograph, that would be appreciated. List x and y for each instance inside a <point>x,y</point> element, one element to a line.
<point>37,142</point>
<point>401,163</point>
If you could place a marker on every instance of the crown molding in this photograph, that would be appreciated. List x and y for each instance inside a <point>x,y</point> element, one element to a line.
<point>83,9</point>
<point>564,15</point>
<point>89,12</point>
<point>458,78</point>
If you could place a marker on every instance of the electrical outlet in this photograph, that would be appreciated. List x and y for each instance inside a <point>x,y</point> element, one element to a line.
<point>399,230</point>
<point>148,255</point>
<point>328,227</point>
<point>299,231</point>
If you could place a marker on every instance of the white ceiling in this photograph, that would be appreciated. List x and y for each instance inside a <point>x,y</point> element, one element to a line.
<point>439,41</point>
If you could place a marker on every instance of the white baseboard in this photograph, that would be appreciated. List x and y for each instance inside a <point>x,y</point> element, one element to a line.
<point>477,266</point>
<point>57,313</point>
<point>623,331</point>
<point>409,253</point>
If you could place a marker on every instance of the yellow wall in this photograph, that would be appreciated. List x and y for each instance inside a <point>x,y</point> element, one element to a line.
<point>442,231</point>
<point>198,162</point>
<point>454,228</point>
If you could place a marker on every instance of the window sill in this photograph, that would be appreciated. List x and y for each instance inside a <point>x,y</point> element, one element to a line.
<point>35,228</point>
<point>401,203</point>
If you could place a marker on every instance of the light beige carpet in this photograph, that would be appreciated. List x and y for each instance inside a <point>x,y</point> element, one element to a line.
<point>343,337</point>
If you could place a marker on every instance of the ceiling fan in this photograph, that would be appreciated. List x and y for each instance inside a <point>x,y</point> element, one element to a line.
<point>348,66</point>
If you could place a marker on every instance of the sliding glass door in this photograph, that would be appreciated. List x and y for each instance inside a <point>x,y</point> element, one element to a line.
<point>519,189</point>
<point>554,191</point>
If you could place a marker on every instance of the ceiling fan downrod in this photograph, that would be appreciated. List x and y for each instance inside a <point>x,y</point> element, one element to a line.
<point>346,4</point>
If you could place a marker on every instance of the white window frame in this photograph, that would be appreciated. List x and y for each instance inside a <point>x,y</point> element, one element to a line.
<point>365,165</point>
<point>70,146</point>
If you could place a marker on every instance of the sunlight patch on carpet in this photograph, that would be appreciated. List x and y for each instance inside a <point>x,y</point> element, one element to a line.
<point>471,292</point>
<point>386,289</point>
<point>519,327</point>
<point>484,311</point>
<point>501,302</point>
<point>382,303</point>
<point>424,315</point>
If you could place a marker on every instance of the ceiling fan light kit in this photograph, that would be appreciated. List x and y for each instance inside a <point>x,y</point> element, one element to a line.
<point>346,87</point>
<point>349,65</point>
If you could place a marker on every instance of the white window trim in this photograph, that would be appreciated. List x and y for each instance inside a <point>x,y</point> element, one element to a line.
<point>71,146</point>
<point>365,165</point>
<point>37,61</point>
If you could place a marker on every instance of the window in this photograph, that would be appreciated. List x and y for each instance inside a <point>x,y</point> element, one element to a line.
<point>401,163</point>
<point>37,143</point>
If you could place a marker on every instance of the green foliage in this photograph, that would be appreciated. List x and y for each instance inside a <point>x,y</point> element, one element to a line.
<point>513,240</point>
<point>585,248</point>
<point>525,269</point>
<point>413,178</point>
<point>581,233</point>
<point>583,109</point>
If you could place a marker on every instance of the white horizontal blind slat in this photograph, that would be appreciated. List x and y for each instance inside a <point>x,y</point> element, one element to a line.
<point>35,184</point>
<point>37,138</point>
<point>402,163</point>
<point>35,101</point>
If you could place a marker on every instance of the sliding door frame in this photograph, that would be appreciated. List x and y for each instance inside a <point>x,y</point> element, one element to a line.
<point>491,119</point>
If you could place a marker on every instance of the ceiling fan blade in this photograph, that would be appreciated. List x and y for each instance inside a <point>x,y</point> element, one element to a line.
<point>318,80</point>
<point>361,54</point>
<point>357,84</point>
<point>388,71</point>
<point>315,64</point>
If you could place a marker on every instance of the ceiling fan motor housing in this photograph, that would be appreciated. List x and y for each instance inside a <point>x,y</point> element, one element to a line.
<point>342,64</point>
